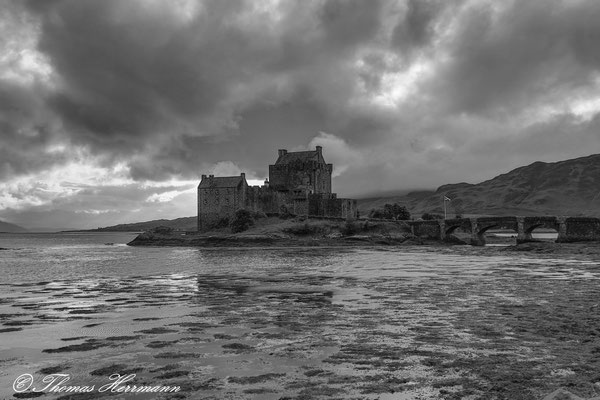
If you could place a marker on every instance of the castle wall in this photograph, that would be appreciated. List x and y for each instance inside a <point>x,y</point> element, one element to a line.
<point>215,204</point>
<point>309,174</point>
<point>264,200</point>
<point>299,207</point>
<point>323,179</point>
<point>331,206</point>
<point>349,208</point>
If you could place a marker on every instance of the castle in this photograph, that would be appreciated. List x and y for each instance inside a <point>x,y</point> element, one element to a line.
<point>299,183</point>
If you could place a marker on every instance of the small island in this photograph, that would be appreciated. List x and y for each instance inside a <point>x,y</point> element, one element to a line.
<point>252,230</point>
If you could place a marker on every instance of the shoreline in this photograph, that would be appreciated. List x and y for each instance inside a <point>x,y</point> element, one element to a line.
<point>541,247</point>
<point>256,240</point>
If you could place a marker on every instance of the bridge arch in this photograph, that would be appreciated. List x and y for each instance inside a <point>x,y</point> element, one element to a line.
<point>530,224</point>
<point>483,224</point>
<point>452,226</point>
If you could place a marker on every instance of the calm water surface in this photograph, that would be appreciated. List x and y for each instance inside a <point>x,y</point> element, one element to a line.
<point>301,321</point>
<point>72,256</point>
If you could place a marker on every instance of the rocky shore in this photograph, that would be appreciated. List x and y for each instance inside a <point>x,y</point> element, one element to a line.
<point>275,232</point>
<point>591,248</point>
<point>265,240</point>
<point>268,240</point>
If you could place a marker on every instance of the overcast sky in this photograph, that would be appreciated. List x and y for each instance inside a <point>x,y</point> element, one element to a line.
<point>110,110</point>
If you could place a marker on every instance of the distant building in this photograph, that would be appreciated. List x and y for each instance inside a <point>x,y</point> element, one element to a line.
<point>299,184</point>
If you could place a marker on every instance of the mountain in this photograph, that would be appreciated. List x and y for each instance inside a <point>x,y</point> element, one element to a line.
<point>11,228</point>
<point>570,187</point>
<point>182,224</point>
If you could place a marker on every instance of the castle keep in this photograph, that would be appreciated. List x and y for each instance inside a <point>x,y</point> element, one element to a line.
<point>299,184</point>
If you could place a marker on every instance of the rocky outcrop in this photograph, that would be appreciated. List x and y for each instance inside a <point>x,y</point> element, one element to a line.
<point>255,240</point>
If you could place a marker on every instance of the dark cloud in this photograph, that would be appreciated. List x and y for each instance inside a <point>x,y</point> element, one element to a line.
<point>136,79</point>
<point>418,92</point>
<point>128,74</point>
<point>27,132</point>
<point>415,30</point>
<point>512,57</point>
<point>347,23</point>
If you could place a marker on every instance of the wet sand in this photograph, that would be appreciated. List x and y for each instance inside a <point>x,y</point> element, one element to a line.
<point>506,325</point>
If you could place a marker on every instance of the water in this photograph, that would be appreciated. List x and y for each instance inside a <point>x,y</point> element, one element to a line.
<point>534,235</point>
<point>267,323</point>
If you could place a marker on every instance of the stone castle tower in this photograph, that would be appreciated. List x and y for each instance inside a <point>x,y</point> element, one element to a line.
<point>301,172</point>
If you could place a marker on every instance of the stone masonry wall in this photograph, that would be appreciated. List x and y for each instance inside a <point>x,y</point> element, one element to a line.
<point>215,204</point>
<point>301,174</point>
<point>331,206</point>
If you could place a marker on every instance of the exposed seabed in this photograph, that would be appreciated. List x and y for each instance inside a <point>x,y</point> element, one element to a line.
<point>505,326</point>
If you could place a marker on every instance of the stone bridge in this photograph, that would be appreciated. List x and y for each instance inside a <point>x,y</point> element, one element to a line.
<point>570,229</point>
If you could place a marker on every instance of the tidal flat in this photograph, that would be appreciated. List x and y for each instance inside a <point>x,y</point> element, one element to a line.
<point>380,323</point>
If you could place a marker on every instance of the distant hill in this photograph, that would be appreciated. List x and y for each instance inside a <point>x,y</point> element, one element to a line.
<point>182,224</point>
<point>570,187</point>
<point>11,228</point>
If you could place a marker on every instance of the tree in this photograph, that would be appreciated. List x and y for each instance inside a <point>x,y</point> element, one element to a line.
<point>431,217</point>
<point>391,211</point>
<point>162,230</point>
<point>349,228</point>
<point>241,221</point>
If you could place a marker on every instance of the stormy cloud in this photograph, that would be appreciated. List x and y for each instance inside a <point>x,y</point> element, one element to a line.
<point>402,94</point>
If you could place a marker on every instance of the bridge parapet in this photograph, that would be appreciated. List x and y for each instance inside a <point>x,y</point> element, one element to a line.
<point>570,229</point>
<point>429,229</point>
<point>578,229</point>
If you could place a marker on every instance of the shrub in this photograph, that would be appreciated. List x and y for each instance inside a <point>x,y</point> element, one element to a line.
<point>284,213</point>
<point>366,226</point>
<point>258,215</point>
<point>222,223</point>
<point>162,230</point>
<point>431,217</point>
<point>391,211</point>
<point>303,229</point>
<point>349,228</point>
<point>241,221</point>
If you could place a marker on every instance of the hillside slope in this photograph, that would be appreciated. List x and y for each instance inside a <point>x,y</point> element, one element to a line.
<point>181,224</point>
<point>570,187</point>
<point>11,228</point>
